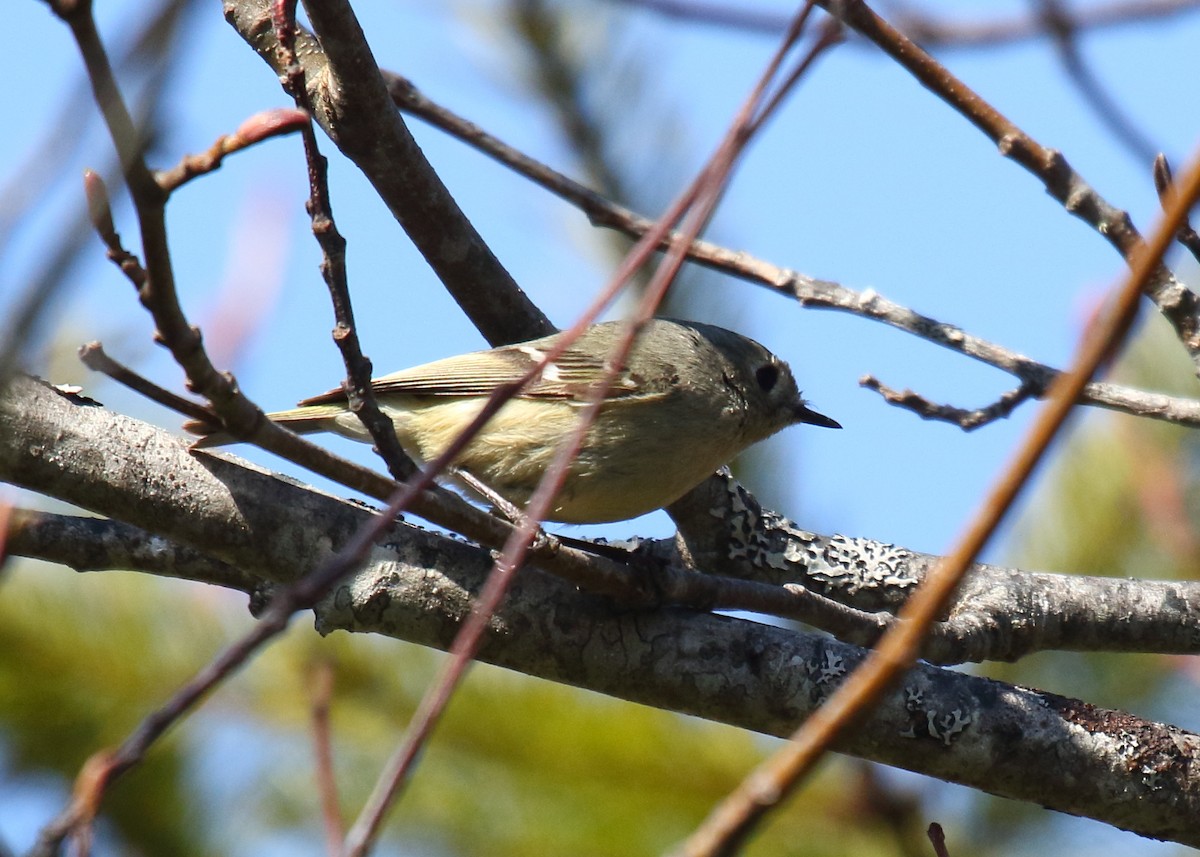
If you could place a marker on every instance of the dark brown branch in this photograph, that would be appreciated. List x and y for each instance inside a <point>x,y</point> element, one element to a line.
<point>350,103</point>
<point>359,372</point>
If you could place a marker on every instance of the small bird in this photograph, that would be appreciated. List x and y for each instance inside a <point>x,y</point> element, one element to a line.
<point>689,399</point>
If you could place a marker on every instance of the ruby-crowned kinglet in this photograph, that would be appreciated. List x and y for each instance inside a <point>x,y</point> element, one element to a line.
<point>690,398</point>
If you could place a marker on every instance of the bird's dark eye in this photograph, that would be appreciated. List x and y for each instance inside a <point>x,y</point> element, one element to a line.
<point>766,376</point>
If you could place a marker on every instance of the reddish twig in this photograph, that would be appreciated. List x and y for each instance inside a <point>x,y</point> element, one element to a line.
<point>321,687</point>
<point>937,837</point>
<point>5,516</point>
<point>259,127</point>
<point>100,213</point>
<point>156,290</point>
<point>733,820</point>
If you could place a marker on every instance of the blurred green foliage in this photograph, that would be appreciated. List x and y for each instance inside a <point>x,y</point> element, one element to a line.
<point>519,766</point>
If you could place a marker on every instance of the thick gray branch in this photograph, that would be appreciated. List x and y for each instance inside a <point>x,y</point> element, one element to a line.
<point>1011,741</point>
<point>102,544</point>
<point>1000,613</point>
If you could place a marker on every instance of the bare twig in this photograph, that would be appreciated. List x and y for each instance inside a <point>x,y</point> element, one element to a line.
<point>930,31</point>
<point>242,418</point>
<point>149,54</point>
<point>1061,28</point>
<point>937,837</point>
<point>6,518</point>
<point>1164,184</point>
<point>967,420</point>
<point>557,74</point>
<point>259,127</point>
<point>95,358</point>
<point>351,105</point>
<point>156,290</point>
<point>830,34</point>
<point>100,213</point>
<point>156,282</point>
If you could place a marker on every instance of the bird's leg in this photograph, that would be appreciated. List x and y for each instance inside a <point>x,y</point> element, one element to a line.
<point>502,504</point>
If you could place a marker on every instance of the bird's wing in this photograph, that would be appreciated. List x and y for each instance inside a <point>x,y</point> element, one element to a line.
<point>479,373</point>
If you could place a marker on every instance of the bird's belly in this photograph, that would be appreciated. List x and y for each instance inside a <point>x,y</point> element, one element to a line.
<point>618,474</point>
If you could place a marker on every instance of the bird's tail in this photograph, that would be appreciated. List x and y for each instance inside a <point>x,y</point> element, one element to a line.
<point>305,420</point>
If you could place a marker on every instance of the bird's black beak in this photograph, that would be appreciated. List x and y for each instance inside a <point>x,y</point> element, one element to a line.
<point>805,414</point>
